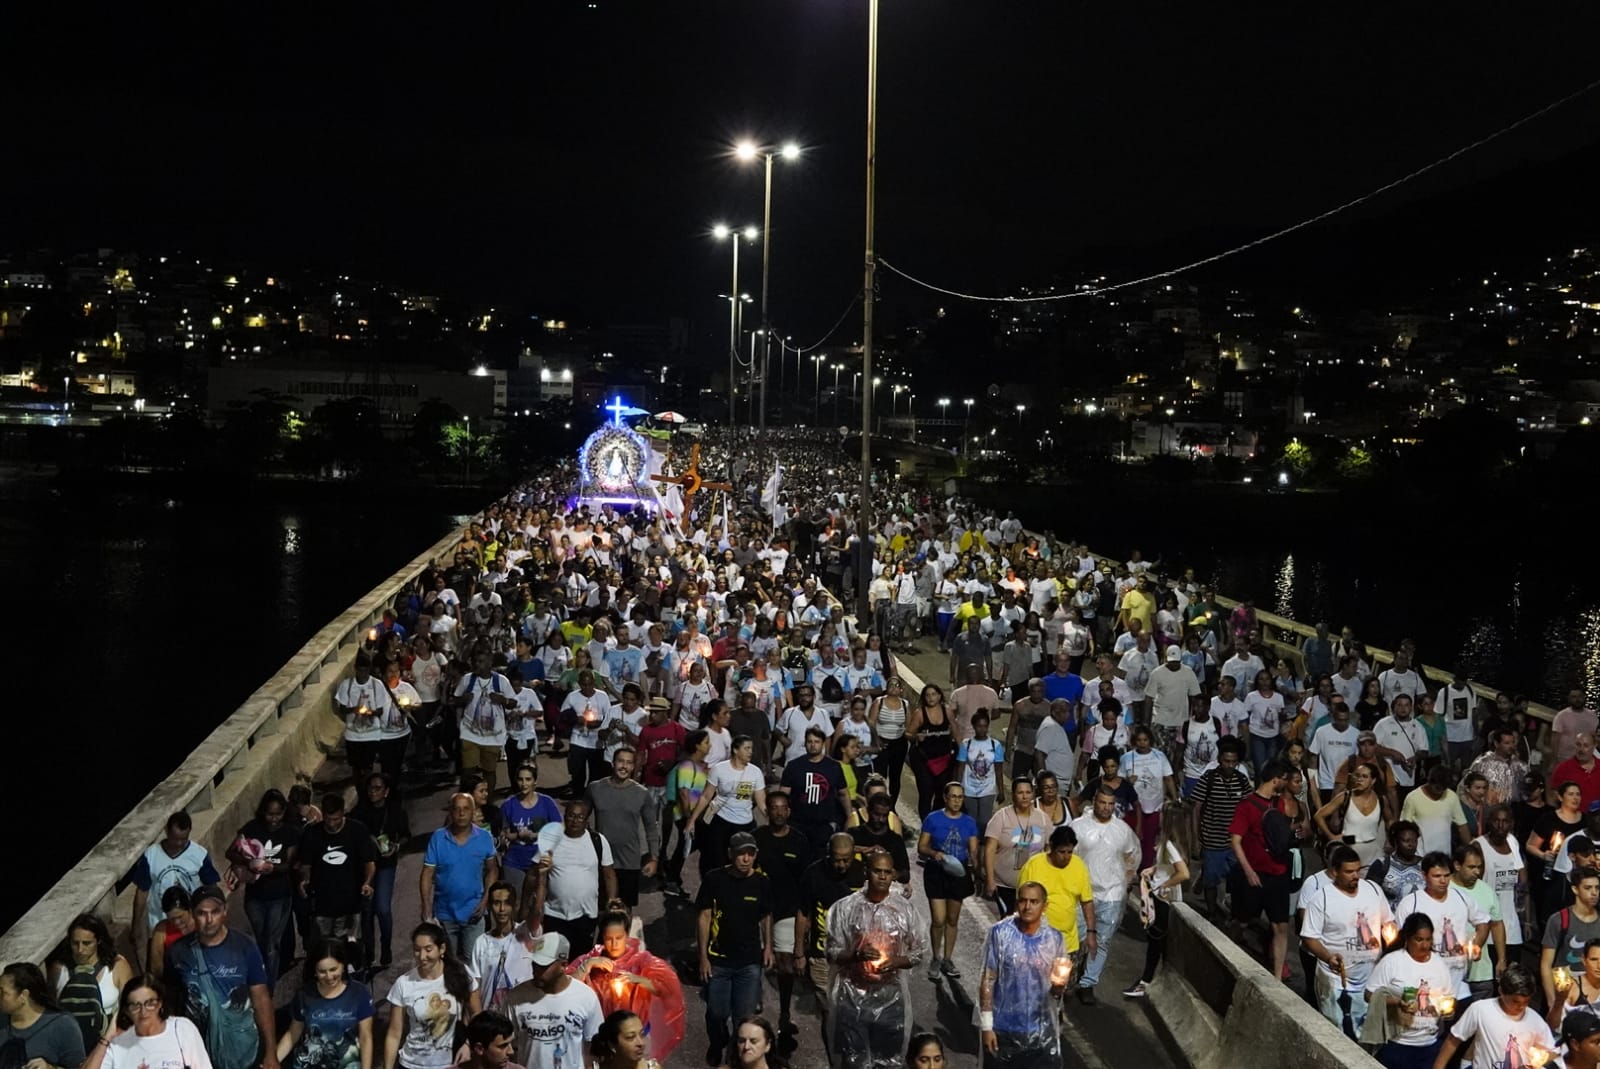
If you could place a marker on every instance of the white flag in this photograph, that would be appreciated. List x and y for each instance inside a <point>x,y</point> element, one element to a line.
<point>769,497</point>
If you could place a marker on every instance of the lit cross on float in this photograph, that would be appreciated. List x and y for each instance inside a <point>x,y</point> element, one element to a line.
<point>616,408</point>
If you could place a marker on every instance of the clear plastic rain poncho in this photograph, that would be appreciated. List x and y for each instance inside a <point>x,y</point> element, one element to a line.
<point>869,1017</point>
<point>1019,967</point>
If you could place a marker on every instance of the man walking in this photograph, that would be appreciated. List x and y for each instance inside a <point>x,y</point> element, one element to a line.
<point>1024,974</point>
<point>735,939</point>
<point>457,870</point>
<point>575,866</point>
<point>226,990</point>
<point>875,939</point>
<point>622,810</point>
<point>1110,849</point>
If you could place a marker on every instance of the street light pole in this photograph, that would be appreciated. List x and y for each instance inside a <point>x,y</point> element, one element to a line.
<point>747,150</point>
<point>864,526</point>
<point>749,234</point>
<point>966,424</point>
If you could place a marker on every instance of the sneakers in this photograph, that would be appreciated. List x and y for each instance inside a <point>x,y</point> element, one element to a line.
<point>1136,991</point>
<point>672,888</point>
<point>1086,996</point>
<point>950,970</point>
<point>933,970</point>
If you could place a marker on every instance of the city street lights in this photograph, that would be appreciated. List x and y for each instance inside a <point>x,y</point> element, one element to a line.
<point>966,422</point>
<point>749,151</point>
<point>721,231</point>
<point>836,369</point>
<point>816,397</point>
<point>944,406</point>
<point>1020,410</point>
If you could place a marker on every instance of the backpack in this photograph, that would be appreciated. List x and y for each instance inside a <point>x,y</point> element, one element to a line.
<point>832,689</point>
<point>1275,830</point>
<point>80,999</point>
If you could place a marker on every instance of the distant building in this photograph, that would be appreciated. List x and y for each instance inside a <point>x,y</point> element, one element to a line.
<point>398,392</point>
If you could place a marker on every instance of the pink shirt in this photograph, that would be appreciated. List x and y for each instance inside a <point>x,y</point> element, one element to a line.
<point>1568,725</point>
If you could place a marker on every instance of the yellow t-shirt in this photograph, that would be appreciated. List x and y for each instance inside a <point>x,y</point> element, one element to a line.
<point>966,541</point>
<point>897,544</point>
<point>1066,888</point>
<point>1139,606</point>
<point>965,610</point>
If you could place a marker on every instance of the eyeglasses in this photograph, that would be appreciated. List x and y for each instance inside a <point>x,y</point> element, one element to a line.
<point>147,1004</point>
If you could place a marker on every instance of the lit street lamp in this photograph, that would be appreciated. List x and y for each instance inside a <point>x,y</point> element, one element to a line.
<point>748,151</point>
<point>966,422</point>
<point>721,231</point>
<point>816,397</point>
<point>1020,410</point>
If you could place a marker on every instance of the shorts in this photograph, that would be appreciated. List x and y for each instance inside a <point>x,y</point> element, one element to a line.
<point>1189,784</point>
<point>941,885</point>
<point>783,936</point>
<point>821,976</point>
<point>1271,898</point>
<point>1216,866</point>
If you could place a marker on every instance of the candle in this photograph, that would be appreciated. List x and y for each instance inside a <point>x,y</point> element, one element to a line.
<point>618,985</point>
<point>1538,1055</point>
<point>1555,842</point>
<point>372,636</point>
<point>1391,932</point>
<point>1061,972</point>
<point>1562,976</point>
<point>1445,1004</point>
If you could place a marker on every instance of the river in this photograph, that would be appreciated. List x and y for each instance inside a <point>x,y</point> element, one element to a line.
<point>143,616</point>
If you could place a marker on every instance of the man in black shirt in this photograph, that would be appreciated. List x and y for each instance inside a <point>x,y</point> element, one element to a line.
<point>876,832</point>
<point>735,935</point>
<point>824,883</point>
<point>819,800</point>
<point>746,719</point>
<point>336,862</point>
<point>782,856</point>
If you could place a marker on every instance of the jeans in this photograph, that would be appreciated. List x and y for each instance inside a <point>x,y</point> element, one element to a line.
<point>1262,750</point>
<point>890,763</point>
<point>269,918</point>
<point>1107,917</point>
<point>461,935</point>
<point>1400,1056</point>
<point>380,907</point>
<point>1155,947</point>
<point>731,995</point>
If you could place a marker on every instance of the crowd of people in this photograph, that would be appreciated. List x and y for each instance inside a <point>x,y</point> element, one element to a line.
<point>708,695</point>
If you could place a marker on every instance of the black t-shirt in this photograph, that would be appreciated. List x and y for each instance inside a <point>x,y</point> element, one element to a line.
<point>815,788</point>
<point>389,826</point>
<point>782,859</point>
<point>820,889</point>
<point>737,905</point>
<point>890,840</point>
<point>275,844</point>
<point>338,866</point>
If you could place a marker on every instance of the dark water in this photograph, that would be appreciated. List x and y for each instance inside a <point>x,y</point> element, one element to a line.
<point>140,618</point>
<point>1514,603</point>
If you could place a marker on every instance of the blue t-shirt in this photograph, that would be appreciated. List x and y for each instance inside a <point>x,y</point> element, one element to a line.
<point>950,834</point>
<point>520,855</point>
<point>1069,687</point>
<point>531,669</point>
<point>458,872</point>
<point>624,666</point>
<point>216,982</point>
<point>332,1037</point>
<point>1021,965</point>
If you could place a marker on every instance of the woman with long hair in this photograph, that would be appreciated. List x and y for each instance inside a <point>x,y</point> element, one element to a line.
<point>149,1037</point>
<point>1362,812</point>
<point>932,751</point>
<point>330,1020</point>
<point>629,979</point>
<point>1581,990</point>
<point>1554,826</point>
<point>1407,983</point>
<point>1048,799</point>
<point>739,787</point>
<point>87,975</point>
<point>177,921</point>
<point>888,719</point>
<point>429,1003</point>
<point>1160,885</point>
<point>925,1051</point>
<point>35,1022</point>
<point>621,1043</point>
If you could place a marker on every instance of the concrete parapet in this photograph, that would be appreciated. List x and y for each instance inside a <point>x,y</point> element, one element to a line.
<point>1218,1007</point>
<point>280,733</point>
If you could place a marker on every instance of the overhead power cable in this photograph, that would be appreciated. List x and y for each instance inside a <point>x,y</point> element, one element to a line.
<point>1158,276</point>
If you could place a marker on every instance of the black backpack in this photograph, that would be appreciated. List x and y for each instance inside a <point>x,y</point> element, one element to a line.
<point>80,999</point>
<point>832,689</point>
<point>1275,829</point>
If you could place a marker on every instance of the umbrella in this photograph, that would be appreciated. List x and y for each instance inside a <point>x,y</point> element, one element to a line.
<point>672,417</point>
<point>1348,1024</point>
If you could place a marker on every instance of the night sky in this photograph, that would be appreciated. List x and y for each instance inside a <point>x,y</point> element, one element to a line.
<point>570,159</point>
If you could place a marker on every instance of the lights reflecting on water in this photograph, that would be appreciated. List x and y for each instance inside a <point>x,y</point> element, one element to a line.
<point>1283,588</point>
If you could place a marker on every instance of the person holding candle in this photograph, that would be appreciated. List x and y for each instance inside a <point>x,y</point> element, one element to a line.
<point>1577,990</point>
<point>1026,968</point>
<point>1501,1031</point>
<point>874,941</point>
<point>1452,915</point>
<point>365,706</point>
<point>1553,827</point>
<point>1569,931</point>
<point>1413,985</point>
<point>630,980</point>
<point>1342,927</point>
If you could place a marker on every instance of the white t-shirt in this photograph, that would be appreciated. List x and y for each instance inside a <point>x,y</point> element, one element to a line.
<point>1492,1034</point>
<point>1265,712</point>
<point>1243,670</point>
<point>1427,980</point>
<point>574,880</point>
<point>615,721</point>
<point>428,676</point>
<point>980,758</point>
<point>1332,748</point>
<point>368,726</point>
<point>690,698</point>
<point>1232,714</point>
<point>522,721</point>
<point>589,715</point>
<point>431,1015</point>
<point>499,963</point>
<point>1396,683</point>
<point>177,1046</point>
<point>1455,920</point>
<point>1457,719</point>
<point>1199,747</point>
<point>1501,871</point>
<point>1147,772</point>
<point>1436,819</point>
<point>483,720</point>
<point>721,745</point>
<point>735,789</point>
<point>1348,925</point>
<point>1408,738</point>
<point>1137,667</point>
<point>552,1029</point>
<point>793,726</point>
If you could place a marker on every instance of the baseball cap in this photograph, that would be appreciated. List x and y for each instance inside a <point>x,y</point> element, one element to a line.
<point>550,947</point>
<point>1174,653</point>
<point>741,841</point>
<point>206,891</point>
<point>1576,1027</point>
<point>1366,736</point>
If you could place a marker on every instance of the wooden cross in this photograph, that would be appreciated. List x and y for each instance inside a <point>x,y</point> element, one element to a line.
<point>691,483</point>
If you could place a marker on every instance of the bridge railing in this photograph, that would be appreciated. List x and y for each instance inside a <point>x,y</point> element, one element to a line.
<point>279,733</point>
